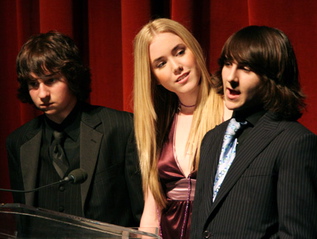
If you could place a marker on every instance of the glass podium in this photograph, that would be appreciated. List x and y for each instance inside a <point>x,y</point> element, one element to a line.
<point>22,221</point>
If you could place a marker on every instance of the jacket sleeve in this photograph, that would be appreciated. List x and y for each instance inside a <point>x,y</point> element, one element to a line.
<point>297,189</point>
<point>133,178</point>
<point>16,181</point>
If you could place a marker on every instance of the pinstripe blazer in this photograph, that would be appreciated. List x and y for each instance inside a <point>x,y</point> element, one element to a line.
<point>270,190</point>
<point>113,191</point>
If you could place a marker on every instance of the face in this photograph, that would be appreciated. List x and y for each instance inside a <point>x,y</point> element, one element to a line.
<point>174,65</point>
<point>50,94</point>
<point>241,86</point>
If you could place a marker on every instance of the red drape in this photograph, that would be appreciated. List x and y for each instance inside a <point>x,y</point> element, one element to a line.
<point>104,31</point>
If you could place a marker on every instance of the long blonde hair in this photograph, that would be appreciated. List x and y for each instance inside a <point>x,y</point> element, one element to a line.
<point>155,107</point>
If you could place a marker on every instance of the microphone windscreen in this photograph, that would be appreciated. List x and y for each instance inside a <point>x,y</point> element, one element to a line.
<point>77,176</point>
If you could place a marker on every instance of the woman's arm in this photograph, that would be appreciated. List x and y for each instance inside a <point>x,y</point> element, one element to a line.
<point>150,217</point>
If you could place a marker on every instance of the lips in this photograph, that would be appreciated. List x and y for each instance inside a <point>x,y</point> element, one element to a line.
<point>182,77</point>
<point>46,105</point>
<point>232,94</point>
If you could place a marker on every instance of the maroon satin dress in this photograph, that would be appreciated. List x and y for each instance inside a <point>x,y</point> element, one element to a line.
<point>176,217</point>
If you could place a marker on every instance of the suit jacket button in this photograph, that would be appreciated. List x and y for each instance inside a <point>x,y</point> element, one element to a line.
<point>61,208</point>
<point>206,234</point>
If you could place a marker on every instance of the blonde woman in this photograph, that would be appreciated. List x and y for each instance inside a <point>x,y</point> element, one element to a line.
<point>175,104</point>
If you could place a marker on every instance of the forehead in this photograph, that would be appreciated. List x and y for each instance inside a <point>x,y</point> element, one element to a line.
<point>46,75</point>
<point>163,43</point>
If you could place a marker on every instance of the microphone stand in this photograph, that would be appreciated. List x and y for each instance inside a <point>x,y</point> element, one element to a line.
<point>65,180</point>
<point>77,176</point>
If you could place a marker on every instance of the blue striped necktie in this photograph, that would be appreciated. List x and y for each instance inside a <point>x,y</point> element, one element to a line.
<point>228,153</point>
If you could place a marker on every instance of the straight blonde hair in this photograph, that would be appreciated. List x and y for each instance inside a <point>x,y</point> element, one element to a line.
<point>155,107</point>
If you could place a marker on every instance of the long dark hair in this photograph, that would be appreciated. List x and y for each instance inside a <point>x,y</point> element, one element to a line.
<point>268,53</point>
<point>52,52</point>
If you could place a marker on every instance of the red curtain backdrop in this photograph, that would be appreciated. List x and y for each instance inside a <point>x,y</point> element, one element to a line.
<point>104,31</point>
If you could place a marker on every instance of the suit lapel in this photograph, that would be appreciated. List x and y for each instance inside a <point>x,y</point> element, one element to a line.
<point>90,141</point>
<point>258,139</point>
<point>210,149</point>
<point>215,149</point>
<point>29,158</point>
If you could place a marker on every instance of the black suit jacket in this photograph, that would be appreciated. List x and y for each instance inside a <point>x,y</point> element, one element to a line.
<point>113,192</point>
<point>270,190</point>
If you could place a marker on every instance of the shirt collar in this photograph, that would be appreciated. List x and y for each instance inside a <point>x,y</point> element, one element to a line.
<point>70,124</point>
<point>252,116</point>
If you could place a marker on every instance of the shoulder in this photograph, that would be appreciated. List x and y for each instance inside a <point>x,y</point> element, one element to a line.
<point>102,110</point>
<point>95,115</point>
<point>218,130</point>
<point>297,134</point>
<point>295,127</point>
<point>26,131</point>
<point>288,127</point>
<point>213,138</point>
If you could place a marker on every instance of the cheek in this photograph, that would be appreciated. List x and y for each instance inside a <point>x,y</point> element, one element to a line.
<point>62,90</point>
<point>254,91</point>
<point>193,64</point>
<point>65,94</point>
<point>32,94</point>
<point>224,74</point>
<point>198,73</point>
<point>165,85</point>
<point>161,77</point>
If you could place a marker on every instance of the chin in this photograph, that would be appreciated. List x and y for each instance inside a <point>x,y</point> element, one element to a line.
<point>232,106</point>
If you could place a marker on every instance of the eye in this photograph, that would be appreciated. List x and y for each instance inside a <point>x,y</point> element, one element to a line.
<point>51,81</point>
<point>227,63</point>
<point>245,68</point>
<point>160,64</point>
<point>180,52</point>
<point>33,84</point>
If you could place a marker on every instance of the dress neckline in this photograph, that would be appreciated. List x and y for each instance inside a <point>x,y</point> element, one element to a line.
<point>174,147</point>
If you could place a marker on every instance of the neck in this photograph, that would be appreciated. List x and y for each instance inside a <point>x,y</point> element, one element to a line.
<point>60,117</point>
<point>186,110</point>
<point>187,106</point>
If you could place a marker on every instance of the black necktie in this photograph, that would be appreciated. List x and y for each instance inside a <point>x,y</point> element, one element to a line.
<point>58,155</point>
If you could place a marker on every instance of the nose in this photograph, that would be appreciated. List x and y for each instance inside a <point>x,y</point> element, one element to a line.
<point>178,68</point>
<point>43,91</point>
<point>232,73</point>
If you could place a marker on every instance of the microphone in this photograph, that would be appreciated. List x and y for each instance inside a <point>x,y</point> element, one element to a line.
<point>77,176</point>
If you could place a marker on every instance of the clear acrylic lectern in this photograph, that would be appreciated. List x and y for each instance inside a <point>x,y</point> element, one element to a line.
<point>21,221</point>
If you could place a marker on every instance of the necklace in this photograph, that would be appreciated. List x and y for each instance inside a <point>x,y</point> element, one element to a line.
<point>187,106</point>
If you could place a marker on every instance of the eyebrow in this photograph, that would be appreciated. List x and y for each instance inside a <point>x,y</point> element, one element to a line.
<point>173,51</point>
